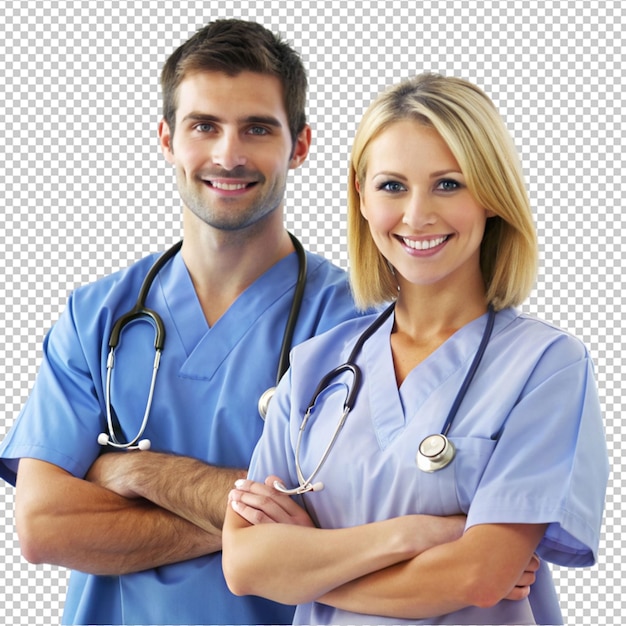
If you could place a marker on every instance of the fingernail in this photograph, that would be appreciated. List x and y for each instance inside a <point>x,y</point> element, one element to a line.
<point>240,483</point>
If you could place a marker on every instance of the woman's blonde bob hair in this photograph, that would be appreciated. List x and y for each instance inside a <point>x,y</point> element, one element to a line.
<point>470,125</point>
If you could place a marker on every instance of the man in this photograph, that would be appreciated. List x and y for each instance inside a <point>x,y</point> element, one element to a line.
<point>146,550</point>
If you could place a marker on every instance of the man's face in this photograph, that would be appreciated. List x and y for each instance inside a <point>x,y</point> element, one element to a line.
<point>232,147</point>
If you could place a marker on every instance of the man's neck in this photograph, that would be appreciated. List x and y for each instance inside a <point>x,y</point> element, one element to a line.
<point>224,264</point>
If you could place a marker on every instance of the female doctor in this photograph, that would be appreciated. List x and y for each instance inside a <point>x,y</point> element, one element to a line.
<point>460,437</point>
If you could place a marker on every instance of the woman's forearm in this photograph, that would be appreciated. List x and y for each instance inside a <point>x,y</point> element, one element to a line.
<point>488,564</point>
<point>266,559</point>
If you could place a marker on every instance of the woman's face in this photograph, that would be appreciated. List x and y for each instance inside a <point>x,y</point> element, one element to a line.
<point>421,214</point>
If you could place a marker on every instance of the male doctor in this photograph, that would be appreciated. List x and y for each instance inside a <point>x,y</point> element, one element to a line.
<point>147,549</point>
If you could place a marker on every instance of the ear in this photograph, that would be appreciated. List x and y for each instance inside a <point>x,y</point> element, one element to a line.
<point>357,186</point>
<point>166,140</point>
<point>300,148</point>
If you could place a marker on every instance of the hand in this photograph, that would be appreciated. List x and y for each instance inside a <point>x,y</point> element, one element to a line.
<point>522,587</point>
<point>260,503</point>
<point>111,472</point>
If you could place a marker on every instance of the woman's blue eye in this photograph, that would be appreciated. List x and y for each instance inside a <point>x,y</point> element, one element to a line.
<point>448,185</point>
<point>391,186</point>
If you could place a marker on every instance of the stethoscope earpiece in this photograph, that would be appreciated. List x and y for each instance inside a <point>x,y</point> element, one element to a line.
<point>105,440</point>
<point>434,453</point>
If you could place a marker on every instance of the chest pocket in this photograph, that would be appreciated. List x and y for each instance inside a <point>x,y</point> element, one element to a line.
<point>450,491</point>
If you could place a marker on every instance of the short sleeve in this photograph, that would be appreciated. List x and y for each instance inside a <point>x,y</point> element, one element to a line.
<point>62,417</point>
<point>550,462</point>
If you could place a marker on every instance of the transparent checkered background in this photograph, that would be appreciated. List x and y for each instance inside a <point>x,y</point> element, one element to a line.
<point>84,189</point>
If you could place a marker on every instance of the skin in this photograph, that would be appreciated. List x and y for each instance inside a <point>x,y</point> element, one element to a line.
<point>429,227</point>
<point>232,151</point>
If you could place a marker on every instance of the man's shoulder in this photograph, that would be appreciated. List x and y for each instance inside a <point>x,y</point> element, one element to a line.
<point>323,267</point>
<point>121,285</point>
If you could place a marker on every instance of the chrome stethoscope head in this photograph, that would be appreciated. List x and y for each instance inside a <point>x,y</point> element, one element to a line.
<point>264,401</point>
<point>434,453</point>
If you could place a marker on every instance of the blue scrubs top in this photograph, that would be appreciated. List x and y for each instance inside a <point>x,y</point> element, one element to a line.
<point>205,406</point>
<point>529,440</point>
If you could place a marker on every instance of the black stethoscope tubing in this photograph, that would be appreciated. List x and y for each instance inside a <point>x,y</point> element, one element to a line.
<point>141,311</point>
<point>350,365</point>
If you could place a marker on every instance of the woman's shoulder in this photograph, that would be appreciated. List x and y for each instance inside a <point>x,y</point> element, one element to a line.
<point>533,333</point>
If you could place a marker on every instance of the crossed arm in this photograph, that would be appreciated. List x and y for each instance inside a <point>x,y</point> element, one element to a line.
<point>408,567</point>
<point>135,511</point>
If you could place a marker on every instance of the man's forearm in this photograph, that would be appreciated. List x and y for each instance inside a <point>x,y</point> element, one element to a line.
<point>191,489</point>
<point>67,521</point>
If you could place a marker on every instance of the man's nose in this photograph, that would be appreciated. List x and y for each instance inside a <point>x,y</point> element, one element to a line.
<point>228,151</point>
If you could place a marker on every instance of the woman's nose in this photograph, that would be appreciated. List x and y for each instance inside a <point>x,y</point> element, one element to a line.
<point>419,211</point>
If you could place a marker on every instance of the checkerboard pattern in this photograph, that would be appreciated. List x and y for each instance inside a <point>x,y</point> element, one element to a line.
<point>85,190</point>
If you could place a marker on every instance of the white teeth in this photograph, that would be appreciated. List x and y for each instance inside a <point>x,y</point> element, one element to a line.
<point>425,244</point>
<point>228,186</point>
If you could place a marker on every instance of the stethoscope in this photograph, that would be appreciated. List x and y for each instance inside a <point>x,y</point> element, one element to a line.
<point>141,312</point>
<point>434,452</point>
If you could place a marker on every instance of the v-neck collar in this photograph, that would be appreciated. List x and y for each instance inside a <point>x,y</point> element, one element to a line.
<point>206,347</point>
<point>392,408</point>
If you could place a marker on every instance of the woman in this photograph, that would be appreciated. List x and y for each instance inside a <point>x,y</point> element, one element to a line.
<point>439,222</point>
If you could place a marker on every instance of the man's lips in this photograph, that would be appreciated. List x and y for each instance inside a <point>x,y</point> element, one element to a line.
<point>227,186</point>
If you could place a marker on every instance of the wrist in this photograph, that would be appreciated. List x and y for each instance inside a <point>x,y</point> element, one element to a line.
<point>406,536</point>
<point>135,474</point>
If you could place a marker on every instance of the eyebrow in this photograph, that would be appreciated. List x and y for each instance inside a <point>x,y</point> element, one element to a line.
<point>444,172</point>
<point>390,174</point>
<point>432,175</point>
<point>267,120</point>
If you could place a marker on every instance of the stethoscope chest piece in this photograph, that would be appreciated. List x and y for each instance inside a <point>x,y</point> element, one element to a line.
<point>264,401</point>
<point>434,453</point>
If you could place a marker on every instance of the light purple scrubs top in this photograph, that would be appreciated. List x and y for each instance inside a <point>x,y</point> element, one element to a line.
<point>529,439</point>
